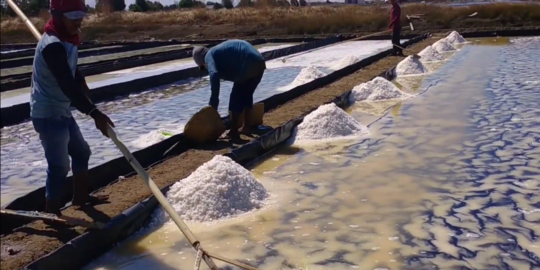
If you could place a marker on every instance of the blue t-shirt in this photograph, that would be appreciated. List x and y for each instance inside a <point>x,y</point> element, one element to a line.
<point>233,60</point>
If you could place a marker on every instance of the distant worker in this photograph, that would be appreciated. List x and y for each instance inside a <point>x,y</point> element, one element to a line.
<point>395,25</point>
<point>57,84</point>
<point>239,62</point>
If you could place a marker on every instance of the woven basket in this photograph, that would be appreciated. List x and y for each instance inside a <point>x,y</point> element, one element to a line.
<point>205,126</point>
<point>256,117</point>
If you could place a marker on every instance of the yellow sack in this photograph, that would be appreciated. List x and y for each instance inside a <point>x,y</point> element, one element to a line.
<point>256,117</point>
<point>205,126</point>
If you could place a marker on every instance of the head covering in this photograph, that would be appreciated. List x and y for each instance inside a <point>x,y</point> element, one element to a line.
<point>71,9</point>
<point>199,52</point>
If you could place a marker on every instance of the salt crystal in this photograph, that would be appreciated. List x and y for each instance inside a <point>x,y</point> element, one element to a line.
<point>306,75</point>
<point>154,137</point>
<point>218,189</point>
<point>430,54</point>
<point>410,66</point>
<point>443,46</point>
<point>455,38</point>
<point>345,62</point>
<point>329,122</point>
<point>376,90</point>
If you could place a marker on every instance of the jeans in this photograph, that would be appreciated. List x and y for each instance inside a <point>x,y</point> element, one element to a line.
<point>242,93</point>
<point>395,38</point>
<point>61,138</point>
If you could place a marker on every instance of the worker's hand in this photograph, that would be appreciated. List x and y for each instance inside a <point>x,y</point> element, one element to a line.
<point>102,121</point>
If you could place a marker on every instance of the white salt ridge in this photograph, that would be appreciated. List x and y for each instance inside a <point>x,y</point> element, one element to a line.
<point>218,189</point>
<point>430,54</point>
<point>455,38</point>
<point>443,45</point>
<point>329,122</point>
<point>345,62</point>
<point>154,136</point>
<point>307,74</point>
<point>361,92</point>
<point>376,90</point>
<point>410,66</point>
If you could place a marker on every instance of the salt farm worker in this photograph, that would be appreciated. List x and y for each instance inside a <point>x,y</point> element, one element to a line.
<point>56,85</point>
<point>395,25</point>
<point>239,62</point>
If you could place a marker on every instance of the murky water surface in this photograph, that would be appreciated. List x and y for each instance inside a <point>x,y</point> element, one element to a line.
<point>447,180</point>
<point>170,107</point>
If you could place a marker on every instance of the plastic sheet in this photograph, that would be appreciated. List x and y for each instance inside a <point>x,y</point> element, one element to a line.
<point>85,248</point>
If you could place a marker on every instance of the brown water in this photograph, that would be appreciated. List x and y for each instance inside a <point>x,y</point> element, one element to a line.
<point>447,180</point>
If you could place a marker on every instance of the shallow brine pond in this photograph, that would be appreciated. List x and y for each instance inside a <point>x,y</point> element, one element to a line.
<point>139,116</point>
<point>446,180</point>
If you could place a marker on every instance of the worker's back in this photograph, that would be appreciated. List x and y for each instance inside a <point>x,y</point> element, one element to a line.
<point>46,98</point>
<point>236,60</point>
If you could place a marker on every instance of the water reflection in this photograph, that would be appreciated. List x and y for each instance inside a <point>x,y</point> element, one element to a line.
<point>452,183</point>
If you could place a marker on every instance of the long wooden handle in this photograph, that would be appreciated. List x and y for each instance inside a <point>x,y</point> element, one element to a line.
<point>23,17</point>
<point>159,196</point>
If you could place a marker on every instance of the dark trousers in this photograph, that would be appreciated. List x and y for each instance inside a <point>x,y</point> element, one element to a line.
<point>395,40</point>
<point>242,93</point>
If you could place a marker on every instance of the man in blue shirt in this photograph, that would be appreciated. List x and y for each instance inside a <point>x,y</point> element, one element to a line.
<point>239,62</point>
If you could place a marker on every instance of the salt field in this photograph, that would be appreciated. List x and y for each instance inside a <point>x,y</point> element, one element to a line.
<point>138,117</point>
<point>126,75</point>
<point>445,179</point>
<point>96,58</point>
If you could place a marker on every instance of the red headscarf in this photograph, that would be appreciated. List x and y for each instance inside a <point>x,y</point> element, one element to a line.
<point>55,26</point>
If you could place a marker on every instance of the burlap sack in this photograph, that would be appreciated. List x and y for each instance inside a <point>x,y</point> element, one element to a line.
<point>205,126</point>
<point>256,117</point>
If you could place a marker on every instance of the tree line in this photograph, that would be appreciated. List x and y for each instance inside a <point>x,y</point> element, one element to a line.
<point>34,7</point>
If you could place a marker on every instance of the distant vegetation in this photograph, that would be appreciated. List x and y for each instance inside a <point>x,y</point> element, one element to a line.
<point>264,17</point>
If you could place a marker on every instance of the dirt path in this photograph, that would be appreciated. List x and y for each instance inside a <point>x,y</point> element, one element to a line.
<point>188,32</point>
<point>37,239</point>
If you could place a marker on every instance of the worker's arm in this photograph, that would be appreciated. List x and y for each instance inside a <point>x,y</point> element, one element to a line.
<point>55,57</point>
<point>82,82</point>
<point>214,82</point>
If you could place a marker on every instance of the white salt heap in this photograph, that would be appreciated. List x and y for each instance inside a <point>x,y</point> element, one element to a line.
<point>376,90</point>
<point>345,61</point>
<point>154,137</point>
<point>430,54</point>
<point>307,74</point>
<point>218,189</point>
<point>329,122</point>
<point>455,38</point>
<point>410,66</point>
<point>361,92</point>
<point>443,46</point>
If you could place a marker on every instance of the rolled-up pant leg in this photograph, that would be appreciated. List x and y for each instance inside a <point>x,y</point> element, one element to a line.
<point>61,138</point>
<point>396,32</point>
<point>242,93</point>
